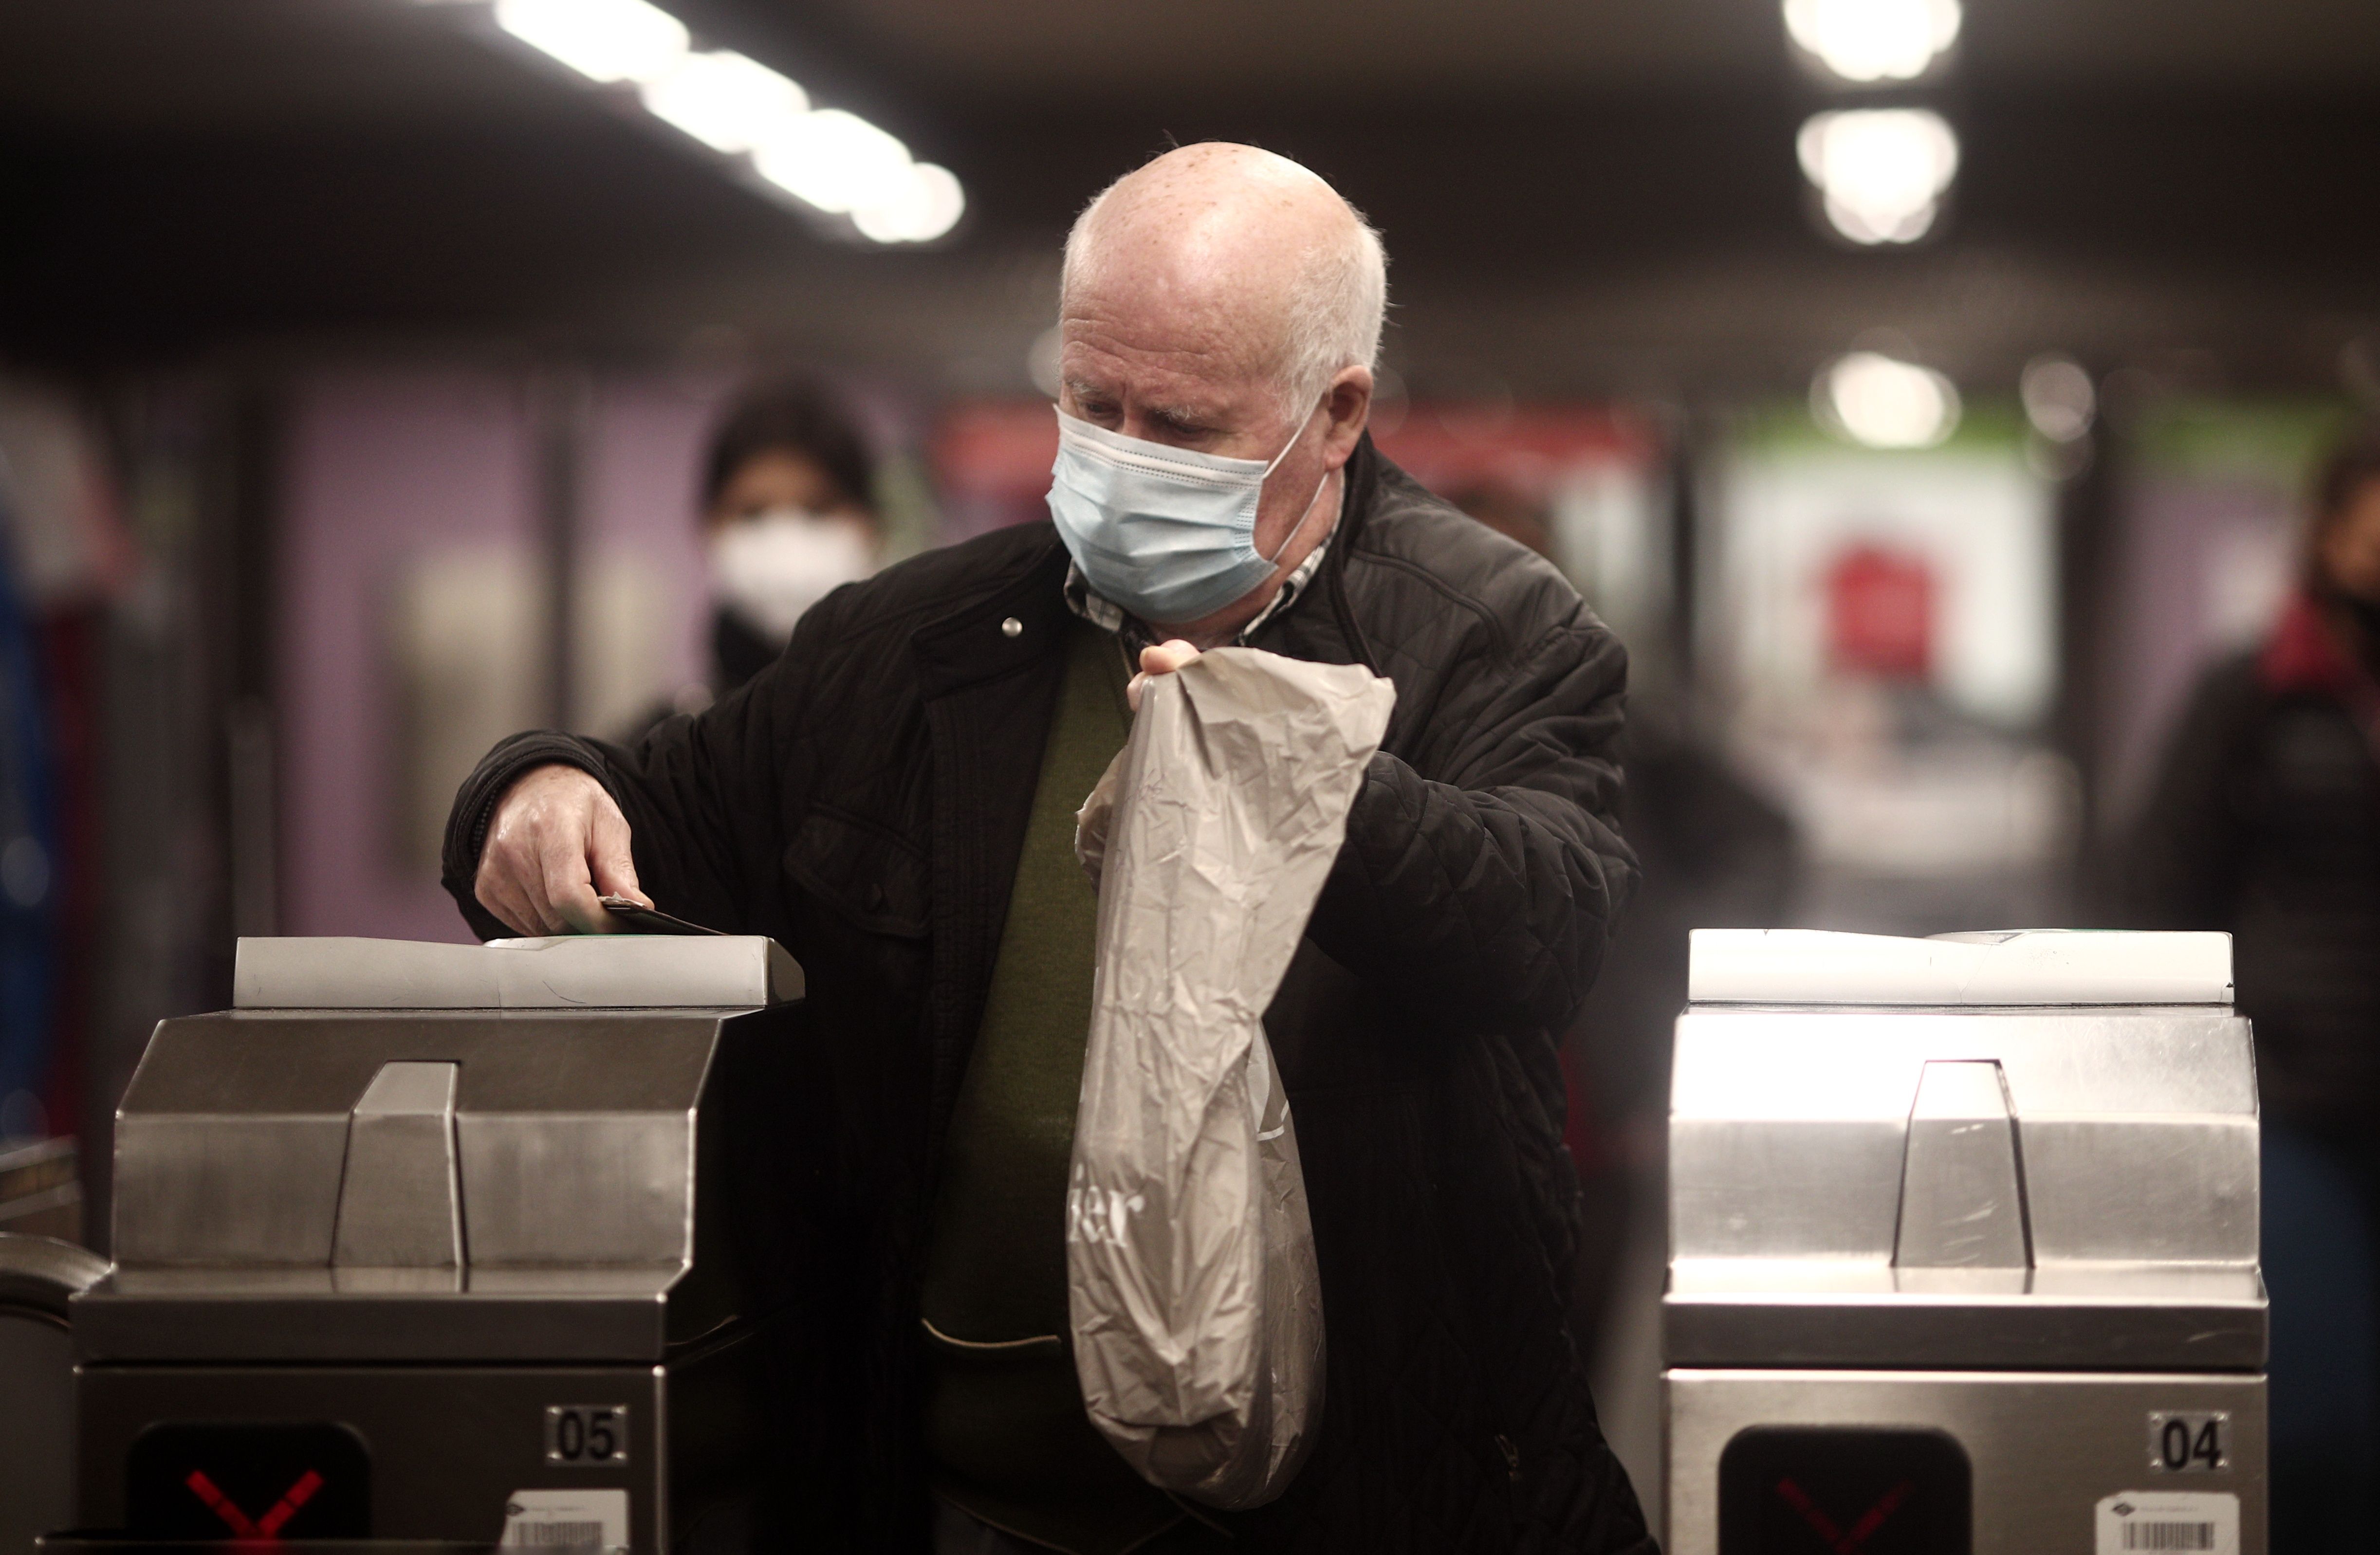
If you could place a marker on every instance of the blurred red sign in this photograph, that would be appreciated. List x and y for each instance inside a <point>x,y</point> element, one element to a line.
<point>997,447</point>
<point>1528,448</point>
<point>1880,613</point>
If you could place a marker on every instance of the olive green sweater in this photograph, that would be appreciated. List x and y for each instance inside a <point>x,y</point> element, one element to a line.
<point>1004,1419</point>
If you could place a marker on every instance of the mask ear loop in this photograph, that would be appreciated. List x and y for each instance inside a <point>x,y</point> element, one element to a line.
<point>1299,528</point>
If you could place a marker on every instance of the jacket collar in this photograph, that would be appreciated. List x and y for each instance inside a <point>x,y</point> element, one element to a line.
<point>1363,489</point>
<point>1363,493</point>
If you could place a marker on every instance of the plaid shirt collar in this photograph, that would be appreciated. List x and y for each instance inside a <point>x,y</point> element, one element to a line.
<point>1109,617</point>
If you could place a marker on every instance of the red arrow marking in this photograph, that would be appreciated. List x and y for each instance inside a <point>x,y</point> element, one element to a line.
<point>266,1528</point>
<point>1843,1543</point>
<point>1874,1517</point>
<point>220,1504</point>
<point>286,1507</point>
<point>1798,1499</point>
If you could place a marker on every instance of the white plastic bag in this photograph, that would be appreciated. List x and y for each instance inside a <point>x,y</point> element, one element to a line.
<point>1190,1272</point>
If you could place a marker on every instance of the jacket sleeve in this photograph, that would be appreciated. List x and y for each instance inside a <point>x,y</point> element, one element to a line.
<point>705,798</point>
<point>1485,890</point>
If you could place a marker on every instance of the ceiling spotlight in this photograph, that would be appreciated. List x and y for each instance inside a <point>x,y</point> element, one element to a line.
<point>837,162</point>
<point>726,100</point>
<point>1881,171</point>
<point>2058,399</point>
<point>923,206</point>
<point>1881,401</point>
<point>603,39</point>
<point>1874,40</point>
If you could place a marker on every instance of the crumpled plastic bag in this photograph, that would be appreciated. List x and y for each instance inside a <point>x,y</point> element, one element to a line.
<point>1197,1305</point>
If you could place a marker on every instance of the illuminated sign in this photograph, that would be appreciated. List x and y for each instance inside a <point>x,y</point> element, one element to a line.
<point>1836,1491</point>
<point>255,1483</point>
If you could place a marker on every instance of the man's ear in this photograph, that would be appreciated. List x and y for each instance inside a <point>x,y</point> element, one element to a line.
<point>1348,403</point>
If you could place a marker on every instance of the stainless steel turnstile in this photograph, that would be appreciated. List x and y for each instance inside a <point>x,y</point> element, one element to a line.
<point>39,1277</point>
<point>432,1243</point>
<point>1963,1242</point>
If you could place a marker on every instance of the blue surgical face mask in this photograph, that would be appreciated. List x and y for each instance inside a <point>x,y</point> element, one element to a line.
<point>1168,534</point>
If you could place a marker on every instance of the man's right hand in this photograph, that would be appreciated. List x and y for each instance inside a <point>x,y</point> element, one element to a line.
<point>557,843</point>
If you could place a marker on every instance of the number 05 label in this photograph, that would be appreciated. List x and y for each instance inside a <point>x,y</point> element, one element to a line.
<point>587,1435</point>
<point>2193,1442</point>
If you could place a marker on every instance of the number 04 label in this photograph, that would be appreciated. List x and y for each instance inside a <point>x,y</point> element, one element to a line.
<point>2190,1441</point>
<point>587,1435</point>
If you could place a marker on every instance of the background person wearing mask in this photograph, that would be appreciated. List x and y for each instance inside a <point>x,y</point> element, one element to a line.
<point>2266,822</point>
<point>893,799</point>
<point>788,510</point>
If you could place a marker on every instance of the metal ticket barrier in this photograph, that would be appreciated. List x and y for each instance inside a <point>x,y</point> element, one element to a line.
<point>433,1243</point>
<point>1963,1249</point>
<point>39,1276</point>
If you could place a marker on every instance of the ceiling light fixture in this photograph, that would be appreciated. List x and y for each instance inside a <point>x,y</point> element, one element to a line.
<point>1881,401</point>
<point>603,39</point>
<point>1882,171</point>
<point>832,160</point>
<point>2058,397</point>
<point>925,205</point>
<point>836,160</point>
<point>726,100</point>
<point>1869,40</point>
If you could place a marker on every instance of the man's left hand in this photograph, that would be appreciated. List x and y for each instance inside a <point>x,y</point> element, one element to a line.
<point>1165,659</point>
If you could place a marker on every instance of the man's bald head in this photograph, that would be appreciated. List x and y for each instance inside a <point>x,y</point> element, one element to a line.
<point>1258,259</point>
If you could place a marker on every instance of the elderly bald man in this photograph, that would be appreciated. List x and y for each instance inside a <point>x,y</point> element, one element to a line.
<point>893,801</point>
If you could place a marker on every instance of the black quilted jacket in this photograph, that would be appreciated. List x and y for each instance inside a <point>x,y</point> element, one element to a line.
<point>865,802</point>
<point>2266,822</point>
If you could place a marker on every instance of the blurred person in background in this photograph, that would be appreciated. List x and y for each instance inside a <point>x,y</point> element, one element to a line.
<point>893,799</point>
<point>2266,822</point>
<point>789,514</point>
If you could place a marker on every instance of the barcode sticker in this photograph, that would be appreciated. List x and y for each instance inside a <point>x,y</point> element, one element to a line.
<point>567,1519</point>
<point>2169,1522</point>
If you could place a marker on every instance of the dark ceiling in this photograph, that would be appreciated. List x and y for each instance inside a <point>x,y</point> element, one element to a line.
<point>1576,194</point>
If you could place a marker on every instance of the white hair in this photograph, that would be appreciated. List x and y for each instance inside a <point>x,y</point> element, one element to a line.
<point>1337,304</point>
